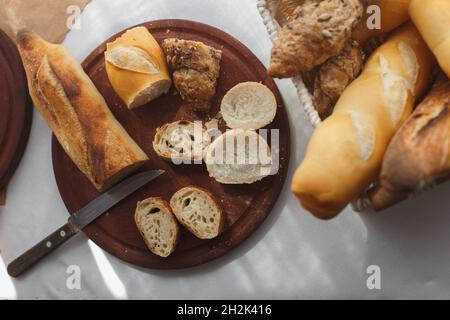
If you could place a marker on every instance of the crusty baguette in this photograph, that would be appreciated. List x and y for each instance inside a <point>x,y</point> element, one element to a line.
<point>137,68</point>
<point>393,13</point>
<point>77,113</point>
<point>156,223</point>
<point>181,140</point>
<point>432,19</point>
<point>345,153</point>
<point>419,154</point>
<point>198,211</point>
<point>239,157</point>
<point>249,105</point>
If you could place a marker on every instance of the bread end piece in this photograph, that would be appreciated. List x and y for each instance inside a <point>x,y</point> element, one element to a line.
<point>157,225</point>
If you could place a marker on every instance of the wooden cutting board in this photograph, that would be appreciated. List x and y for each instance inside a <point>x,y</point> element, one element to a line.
<point>16,110</point>
<point>245,207</point>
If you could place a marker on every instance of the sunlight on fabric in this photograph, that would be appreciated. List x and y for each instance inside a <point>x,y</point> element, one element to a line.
<point>7,289</point>
<point>110,277</point>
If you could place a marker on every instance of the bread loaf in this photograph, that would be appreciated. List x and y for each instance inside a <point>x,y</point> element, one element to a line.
<point>345,153</point>
<point>157,224</point>
<point>137,68</point>
<point>432,19</point>
<point>419,154</point>
<point>77,113</point>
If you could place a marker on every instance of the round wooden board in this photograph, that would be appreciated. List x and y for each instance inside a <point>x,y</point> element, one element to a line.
<point>16,109</point>
<point>245,207</point>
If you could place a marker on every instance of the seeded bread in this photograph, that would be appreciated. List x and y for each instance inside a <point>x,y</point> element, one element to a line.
<point>198,211</point>
<point>157,225</point>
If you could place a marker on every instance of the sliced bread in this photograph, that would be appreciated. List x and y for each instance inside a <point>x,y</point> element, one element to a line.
<point>239,157</point>
<point>249,105</point>
<point>198,211</point>
<point>157,225</point>
<point>181,140</point>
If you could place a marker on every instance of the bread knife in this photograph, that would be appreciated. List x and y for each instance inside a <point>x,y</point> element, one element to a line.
<point>81,219</point>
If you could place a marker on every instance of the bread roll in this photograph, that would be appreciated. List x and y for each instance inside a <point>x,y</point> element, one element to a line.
<point>77,113</point>
<point>419,154</point>
<point>137,68</point>
<point>432,19</point>
<point>198,211</point>
<point>345,153</point>
<point>393,13</point>
<point>157,225</point>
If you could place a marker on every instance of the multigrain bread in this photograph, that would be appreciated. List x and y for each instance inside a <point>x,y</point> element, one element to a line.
<point>239,157</point>
<point>419,154</point>
<point>77,113</point>
<point>181,140</point>
<point>196,68</point>
<point>432,19</point>
<point>345,153</point>
<point>198,211</point>
<point>136,67</point>
<point>318,31</point>
<point>157,224</point>
<point>249,105</point>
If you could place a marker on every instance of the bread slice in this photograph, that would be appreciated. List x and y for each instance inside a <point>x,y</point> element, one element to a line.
<point>239,157</point>
<point>249,105</point>
<point>181,140</point>
<point>198,211</point>
<point>157,225</point>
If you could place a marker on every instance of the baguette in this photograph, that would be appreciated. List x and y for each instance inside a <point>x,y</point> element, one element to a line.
<point>77,113</point>
<point>198,211</point>
<point>136,67</point>
<point>249,105</point>
<point>239,157</point>
<point>432,19</point>
<point>157,225</point>
<point>180,141</point>
<point>419,154</point>
<point>393,13</point>
<point>345,153</point>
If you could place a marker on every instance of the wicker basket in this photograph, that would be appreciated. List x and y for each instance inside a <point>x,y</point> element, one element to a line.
<point>362,203</point>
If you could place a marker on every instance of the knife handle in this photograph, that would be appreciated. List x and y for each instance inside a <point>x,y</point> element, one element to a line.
<point>42,249</point>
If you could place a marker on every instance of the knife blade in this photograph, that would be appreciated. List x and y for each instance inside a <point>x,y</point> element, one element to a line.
<point>81,219</point>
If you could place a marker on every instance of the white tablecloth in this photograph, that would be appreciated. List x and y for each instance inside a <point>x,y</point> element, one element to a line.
<point>292,255</point>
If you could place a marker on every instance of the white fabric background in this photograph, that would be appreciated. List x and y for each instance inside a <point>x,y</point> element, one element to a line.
<point>291,256</point>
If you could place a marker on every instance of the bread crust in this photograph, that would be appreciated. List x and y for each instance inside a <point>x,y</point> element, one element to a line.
<point>77,113</point>
<point>419,154</point>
